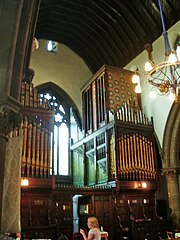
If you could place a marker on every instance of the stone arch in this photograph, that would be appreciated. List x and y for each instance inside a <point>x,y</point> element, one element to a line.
<point>66,99</point>
<point>171,142</point>
<point>171,162</point>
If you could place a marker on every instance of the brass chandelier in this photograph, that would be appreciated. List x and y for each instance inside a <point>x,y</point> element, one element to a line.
<point>163,76</point>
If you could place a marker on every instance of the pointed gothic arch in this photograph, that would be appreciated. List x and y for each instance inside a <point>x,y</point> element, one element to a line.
<point>171,142</point>
<point>64,97</point>
<point>65,109</point>
<point>171,161</point>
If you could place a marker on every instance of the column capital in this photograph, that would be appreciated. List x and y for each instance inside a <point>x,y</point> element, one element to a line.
<point>171,172</point>
<point>9,120</point>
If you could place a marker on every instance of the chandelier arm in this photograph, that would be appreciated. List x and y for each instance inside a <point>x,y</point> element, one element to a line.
<point>178,74</point>
<point>173,77</point>
<point>158,72</point>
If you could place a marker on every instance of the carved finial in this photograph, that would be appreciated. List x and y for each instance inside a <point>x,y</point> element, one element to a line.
<point>28,76</point>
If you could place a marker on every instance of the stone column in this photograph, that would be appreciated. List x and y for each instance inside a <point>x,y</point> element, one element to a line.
<point>9,120</point>
<point>17,27</point>
<point>2,163</point>
<point>172,177</point>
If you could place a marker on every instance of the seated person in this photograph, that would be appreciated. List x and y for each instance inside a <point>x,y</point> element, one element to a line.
<point>94,232</point>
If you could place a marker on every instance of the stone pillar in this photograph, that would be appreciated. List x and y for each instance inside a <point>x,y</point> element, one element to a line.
<point>17,26</point>
<point>9,120</point>
<point>2,163</point>
<point>172,177</point>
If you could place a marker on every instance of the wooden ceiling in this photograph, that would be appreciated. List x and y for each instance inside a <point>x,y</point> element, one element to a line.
<point>101,32</point>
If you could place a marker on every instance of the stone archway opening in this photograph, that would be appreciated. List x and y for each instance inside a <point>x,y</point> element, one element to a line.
<point>171,161</point>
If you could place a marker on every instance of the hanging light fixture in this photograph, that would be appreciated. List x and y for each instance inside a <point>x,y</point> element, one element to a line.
<point>164,76</point>
<point>136,80</point>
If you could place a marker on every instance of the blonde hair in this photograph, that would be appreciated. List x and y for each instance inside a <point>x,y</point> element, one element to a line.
<point>94,222</point>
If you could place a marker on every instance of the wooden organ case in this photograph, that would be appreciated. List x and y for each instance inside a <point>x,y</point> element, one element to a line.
<point>118,150</point>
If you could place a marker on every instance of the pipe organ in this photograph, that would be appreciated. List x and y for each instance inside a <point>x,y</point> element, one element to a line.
<point>135,154</point>
<point>37,123</point>
<point>112,112</point>
<point>113,162</point>
<point>118,149</point>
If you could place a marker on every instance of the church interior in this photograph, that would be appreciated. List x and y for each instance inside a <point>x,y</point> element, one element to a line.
<point>84,130</point>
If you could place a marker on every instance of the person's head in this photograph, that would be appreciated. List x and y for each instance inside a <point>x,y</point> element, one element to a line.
<point>92,222</point>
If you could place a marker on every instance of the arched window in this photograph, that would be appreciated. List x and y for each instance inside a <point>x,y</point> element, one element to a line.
<point>61,134</point>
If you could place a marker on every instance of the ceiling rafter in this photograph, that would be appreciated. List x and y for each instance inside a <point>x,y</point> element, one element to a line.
<point>106,11</point>
<point>106,33</point>
<point>101,32</point>
<point>102,24</point>
<point>96,24</point>
<point>130,21</point>
<point>117,21</point>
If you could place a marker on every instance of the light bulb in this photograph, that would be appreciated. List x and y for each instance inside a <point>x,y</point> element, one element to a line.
<point>148,66</point>
<point>138,88</point>
<point>24,182</point>
<point>135,78</point>
<point>144,185</point>
<point>172,58</point>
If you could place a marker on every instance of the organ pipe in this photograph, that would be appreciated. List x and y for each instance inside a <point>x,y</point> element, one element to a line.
<point>136,157</point>
<point>33,149</point>
<point>37,123</point>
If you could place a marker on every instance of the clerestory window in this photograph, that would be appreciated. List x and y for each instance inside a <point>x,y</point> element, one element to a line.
<point>52,46</point>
